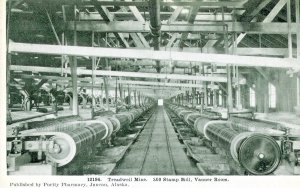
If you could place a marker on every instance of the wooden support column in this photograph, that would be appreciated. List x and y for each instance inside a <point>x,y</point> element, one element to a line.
<point>187,97</point>
<point>193,96</point>
<point>202,101</point>
<point>93,75</point>
<point>8,62</point>
<point>238,90</point>
<point>75,108</point>
<point>215,104</point>
<point>116,96</point>
<point>121,92</point>
<point>74,86</point>
<point>262,94</point>
<point>139,98</point>
<point>124,96</point>
<point>134,94</point>
<point>205,99</point>
<point>289,20</point>
<point>129,96</point>
<point>101,97</point>
<point>228,68</point>
<point>297,6</point>
<point>106,92</point>
<point>84,101</point>
<point>234,47</point>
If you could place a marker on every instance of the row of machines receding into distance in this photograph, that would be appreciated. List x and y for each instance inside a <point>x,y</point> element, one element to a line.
<point>71,145</point>
<point>63,145</point>
<point>240,144</point>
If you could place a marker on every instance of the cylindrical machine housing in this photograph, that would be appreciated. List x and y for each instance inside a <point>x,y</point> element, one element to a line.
<point>75,141</point>
<point>257,153</point>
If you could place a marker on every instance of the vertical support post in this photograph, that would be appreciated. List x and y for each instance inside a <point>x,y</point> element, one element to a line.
<point>205,102</point>
<point>193,97</point>
<point>116,95</point>
<point>121,92</point>
<point>106,92</point>
<point>289,19</point>
<point>129,96</point>
<point>238,90</point>
<point>8,62</point>
<point>214,98</point>
<point>202,101</point>
<point>187,96</point>
<point>124,96</point>
<point>139,98</point>
<point>93,74</point>
<point>297,6</point>
<point>181,99</point>
<point>229,90</point>
<point>228,68</point>
<point>75,108</point>
<point>135,104</point>
<point>101,98</point>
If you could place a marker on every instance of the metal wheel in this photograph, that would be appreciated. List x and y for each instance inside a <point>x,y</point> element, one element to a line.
<point>259,154</point>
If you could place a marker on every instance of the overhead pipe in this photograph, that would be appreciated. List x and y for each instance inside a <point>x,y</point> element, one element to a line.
<point>155,25</point>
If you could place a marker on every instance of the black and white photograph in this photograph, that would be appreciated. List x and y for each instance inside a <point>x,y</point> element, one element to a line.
<point>154,91</point>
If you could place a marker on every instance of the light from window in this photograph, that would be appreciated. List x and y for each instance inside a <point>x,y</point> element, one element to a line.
<point>252,97</point>
<point>220,98</point>
<point>208,98</point>
<point>272,96</point>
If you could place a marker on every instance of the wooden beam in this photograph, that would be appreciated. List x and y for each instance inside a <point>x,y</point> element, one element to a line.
<point>136,40</point>
<point>257,9</point>
<point>108,18</point>
<point>190,20</point>
<point>167,84</point>
<point>182,27</point>
<point>120,74</point>
<point>202,3</point>
<point>269,18</point>
<point>140,18</point>
<point>218,59</point>
<point>57,78</point>
<point>125,16</point>
<point>173,18</point>
<point>239,4</point>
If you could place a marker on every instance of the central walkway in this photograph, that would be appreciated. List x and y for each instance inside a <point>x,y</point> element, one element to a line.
<point>157,151</point>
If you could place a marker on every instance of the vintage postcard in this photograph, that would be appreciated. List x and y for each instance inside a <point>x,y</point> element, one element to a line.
<point>150,93</point>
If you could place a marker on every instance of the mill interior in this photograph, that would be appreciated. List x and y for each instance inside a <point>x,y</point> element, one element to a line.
<point>150,87</point>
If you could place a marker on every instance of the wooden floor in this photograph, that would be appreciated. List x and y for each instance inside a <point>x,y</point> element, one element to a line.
<point>157,151</point>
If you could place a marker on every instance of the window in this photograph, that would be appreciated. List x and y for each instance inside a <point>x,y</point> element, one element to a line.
<point>272,96</point>
<point>220,98</point>
<point>252,98</point>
